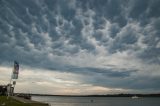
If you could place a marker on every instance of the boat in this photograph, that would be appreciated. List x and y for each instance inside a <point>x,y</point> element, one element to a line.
<point>135,97</point>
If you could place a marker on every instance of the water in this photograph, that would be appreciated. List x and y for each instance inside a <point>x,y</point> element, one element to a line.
<point>97,101</point>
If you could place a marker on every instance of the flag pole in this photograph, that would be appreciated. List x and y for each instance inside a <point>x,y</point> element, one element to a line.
<point>15,74</point>
<point>9,89</point>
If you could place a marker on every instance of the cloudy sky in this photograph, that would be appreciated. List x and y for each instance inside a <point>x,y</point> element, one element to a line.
<point>81,46</point>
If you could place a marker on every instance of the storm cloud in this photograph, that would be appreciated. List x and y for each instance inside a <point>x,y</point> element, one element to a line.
<point>112,44</point>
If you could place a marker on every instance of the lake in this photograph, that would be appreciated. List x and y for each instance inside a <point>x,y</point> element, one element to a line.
<point>97,101</point>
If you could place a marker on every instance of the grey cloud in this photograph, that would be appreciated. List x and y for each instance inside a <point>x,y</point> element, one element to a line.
<point>132,82</point>
<point>151,55</point>
<point>127,36</point>
<point>43,33</point>
<point>138,8</point>
<point>104,72</point>
<point>111,9</point>
<point>31,12</point>
<point>143,10</point>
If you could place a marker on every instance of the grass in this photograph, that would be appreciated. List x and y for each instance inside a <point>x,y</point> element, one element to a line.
<point>12,102</point>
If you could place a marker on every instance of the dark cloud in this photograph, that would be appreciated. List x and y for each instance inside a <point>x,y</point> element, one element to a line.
<point>62,35</point>
<point>151,55</point>
<point>138,8</point>
<point>126,37</point>
<point>106,72</point>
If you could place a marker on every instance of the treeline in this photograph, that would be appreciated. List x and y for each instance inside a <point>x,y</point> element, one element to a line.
<point>107,95</point>
<point>126,95</point>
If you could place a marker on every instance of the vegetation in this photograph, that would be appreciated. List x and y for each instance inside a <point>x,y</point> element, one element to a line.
<point>12,102</point>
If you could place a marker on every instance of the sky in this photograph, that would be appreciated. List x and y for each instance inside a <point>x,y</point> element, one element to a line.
<point>79,47</point>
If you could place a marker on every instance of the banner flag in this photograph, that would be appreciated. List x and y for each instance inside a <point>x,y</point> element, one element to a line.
<point>15,70</point>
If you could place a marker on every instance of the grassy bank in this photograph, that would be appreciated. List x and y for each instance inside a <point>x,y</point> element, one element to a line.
<point>12,102</point>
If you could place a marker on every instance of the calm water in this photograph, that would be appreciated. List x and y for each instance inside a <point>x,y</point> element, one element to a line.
<point>97,101</point>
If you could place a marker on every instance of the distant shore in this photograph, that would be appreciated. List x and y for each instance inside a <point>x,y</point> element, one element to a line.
<point>106,95</point>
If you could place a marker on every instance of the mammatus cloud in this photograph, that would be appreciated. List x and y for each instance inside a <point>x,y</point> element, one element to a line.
<point>98,47</point>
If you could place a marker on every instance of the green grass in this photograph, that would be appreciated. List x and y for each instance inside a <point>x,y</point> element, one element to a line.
<point>12,102</point>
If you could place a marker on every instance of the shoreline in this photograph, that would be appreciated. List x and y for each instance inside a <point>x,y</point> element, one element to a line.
<point>108,95</point>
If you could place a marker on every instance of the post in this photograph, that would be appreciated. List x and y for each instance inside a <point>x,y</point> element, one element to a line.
<point>14,75</point>
<point>9,87</point>
<point>14,83</point>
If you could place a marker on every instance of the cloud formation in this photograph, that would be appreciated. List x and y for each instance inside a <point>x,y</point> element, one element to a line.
<point>109,45</point>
